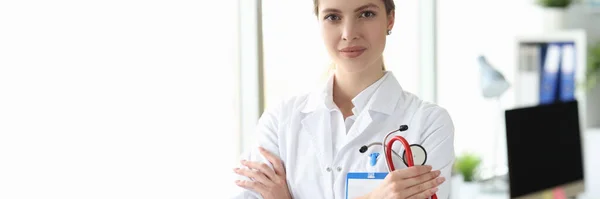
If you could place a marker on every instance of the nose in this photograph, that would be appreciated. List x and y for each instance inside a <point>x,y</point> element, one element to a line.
<point>350,31</point>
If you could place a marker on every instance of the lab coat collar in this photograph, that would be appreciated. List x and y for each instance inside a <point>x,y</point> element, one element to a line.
<point>386,97</point>
<point>362,99</point>
<point>319,97</point>
<point>317,122</point>
<point>383,100</point>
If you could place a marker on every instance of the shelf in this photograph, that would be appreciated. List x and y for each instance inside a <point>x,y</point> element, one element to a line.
<point>595,131</point>
<point>526,80</point>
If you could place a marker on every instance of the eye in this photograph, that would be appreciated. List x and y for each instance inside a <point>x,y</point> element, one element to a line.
<point>332,17</point>
<point>367,14</point>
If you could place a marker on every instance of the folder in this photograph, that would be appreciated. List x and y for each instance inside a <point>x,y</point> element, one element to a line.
<point>550,73</point>
<point>567,73</point>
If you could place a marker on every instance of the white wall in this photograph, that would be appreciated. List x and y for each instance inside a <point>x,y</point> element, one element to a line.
<point>294,56</point>
<point>469,28</point>
<point>117,98</point>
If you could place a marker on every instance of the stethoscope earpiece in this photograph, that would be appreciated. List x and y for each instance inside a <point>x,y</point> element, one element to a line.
<point>363,149</point>
<point>403,127</point>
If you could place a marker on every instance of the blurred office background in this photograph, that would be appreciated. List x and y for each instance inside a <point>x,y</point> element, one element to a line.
<point>153,99</point>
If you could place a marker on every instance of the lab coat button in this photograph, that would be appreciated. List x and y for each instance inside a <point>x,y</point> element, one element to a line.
<point>328,169</point>
<point>339,169</point>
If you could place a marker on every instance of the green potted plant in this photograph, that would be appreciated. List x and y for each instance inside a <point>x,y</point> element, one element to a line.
<point>554,12</point>
<point>466,165</point>
<point>554,3</point>
<point>593,66</point>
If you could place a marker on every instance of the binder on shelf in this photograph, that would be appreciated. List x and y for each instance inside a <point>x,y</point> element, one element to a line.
<point>561,58</point>
<point>550,73</point>
<point>567,73</point>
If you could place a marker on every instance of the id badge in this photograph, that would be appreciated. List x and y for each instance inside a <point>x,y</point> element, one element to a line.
<point>360,184</point>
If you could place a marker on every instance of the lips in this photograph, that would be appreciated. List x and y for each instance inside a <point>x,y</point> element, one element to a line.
<point>352,51</point>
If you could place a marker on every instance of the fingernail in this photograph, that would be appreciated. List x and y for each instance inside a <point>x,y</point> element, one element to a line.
<point>261,149</point>
<point>438,172</point>
<point>243,161</point>
<point>429,167</point>
<point>435,190</point>
<point>440,180</point>
<point>236,170</point>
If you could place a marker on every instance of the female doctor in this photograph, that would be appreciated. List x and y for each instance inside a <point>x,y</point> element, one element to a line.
<point>307,144</point>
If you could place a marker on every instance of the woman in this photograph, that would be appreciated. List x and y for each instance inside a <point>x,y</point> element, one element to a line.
<point>307,144</point>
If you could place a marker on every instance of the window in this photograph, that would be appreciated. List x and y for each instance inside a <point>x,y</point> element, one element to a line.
<point>117,99</point>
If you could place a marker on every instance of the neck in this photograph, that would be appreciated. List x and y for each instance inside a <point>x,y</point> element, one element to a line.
<point>347,85</point>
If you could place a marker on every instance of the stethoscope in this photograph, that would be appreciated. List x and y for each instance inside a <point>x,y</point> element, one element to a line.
<point>412,153</point>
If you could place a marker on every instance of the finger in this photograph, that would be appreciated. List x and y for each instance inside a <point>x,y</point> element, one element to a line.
<point>251,185</point>
<point>413,171</point>
<point>425,194</point>
<point>254,174</point>
<point>424,187</point>
<point>275,161</point>
<point>262,167</point>
<point>422,178</point>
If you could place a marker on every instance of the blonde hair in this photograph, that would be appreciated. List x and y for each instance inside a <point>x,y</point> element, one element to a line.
<point>389,6</point>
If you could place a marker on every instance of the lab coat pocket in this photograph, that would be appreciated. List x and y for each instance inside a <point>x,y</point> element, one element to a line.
<point>379,164</point>
<point>375,162</point>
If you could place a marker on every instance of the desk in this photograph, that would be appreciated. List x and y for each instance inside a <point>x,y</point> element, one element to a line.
<point>591,138</point>
<point>462,190</point>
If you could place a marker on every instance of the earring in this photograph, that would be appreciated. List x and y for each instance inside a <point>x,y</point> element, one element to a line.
<point>389,32</point>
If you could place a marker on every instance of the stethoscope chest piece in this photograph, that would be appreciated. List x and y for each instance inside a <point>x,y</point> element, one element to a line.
<point>419,155</point>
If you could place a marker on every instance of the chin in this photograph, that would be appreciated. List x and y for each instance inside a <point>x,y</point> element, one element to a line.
<point>355,65</point>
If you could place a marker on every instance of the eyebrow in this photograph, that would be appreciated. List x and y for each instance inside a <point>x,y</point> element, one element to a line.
<point>369,5</point>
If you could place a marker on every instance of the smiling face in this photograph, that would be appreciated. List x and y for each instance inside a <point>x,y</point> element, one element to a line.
<point>354,32</point>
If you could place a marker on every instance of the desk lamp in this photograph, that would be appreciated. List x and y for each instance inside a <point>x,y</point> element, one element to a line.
<point>493,85</point>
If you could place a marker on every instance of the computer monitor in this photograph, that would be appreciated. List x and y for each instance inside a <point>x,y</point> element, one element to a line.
<point>544,150</point>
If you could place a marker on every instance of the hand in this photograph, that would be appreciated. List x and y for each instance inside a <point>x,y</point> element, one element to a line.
<point>416,182</point>
<point>271,184</point>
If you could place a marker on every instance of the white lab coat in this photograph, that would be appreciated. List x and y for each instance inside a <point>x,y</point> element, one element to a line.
<point>298,131</point>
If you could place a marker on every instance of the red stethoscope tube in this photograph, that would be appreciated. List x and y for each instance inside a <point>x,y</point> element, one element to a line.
<point>408,156</point>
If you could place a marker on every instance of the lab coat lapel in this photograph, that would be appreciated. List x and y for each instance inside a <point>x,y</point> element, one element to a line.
<point>317,124</point>
<point>380,107</point>
<point>363,122</point>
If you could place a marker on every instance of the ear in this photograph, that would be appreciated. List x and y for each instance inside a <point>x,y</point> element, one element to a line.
<point>391,19</point>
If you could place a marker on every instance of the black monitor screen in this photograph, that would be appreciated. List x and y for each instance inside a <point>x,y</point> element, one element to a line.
<point>544,147</point>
